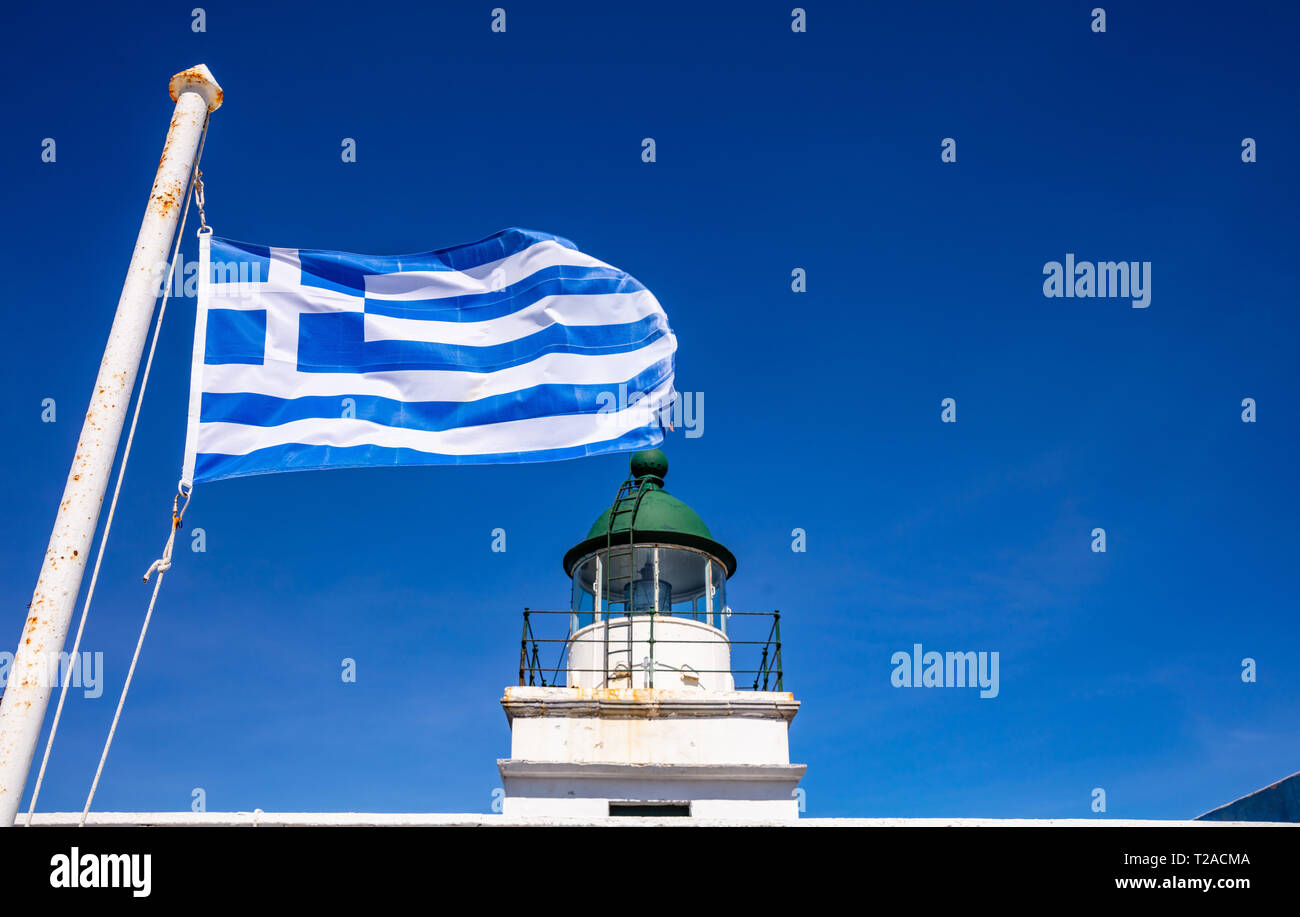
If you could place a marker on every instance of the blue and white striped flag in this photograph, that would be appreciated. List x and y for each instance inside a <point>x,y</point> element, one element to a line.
<point>518,348</point>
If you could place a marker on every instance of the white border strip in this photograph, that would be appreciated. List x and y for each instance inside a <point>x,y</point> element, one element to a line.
<point>471,819</point>
<point>196,361</point>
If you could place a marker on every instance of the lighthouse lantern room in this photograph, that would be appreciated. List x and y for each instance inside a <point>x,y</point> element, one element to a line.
<point>646,713</point>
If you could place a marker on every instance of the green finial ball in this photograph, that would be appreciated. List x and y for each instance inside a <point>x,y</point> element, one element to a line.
<point>650,462</point>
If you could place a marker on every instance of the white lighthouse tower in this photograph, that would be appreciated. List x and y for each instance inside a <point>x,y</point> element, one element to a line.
<point>661,700</point>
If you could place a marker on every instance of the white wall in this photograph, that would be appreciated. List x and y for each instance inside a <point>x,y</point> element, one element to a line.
<point>706,652</point>
<point>725,792</point>
<point>663,740</point>
<point>721,809</point>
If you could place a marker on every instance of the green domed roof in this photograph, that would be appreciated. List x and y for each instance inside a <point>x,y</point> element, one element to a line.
<point>660,517</point>
<point>660,511</point>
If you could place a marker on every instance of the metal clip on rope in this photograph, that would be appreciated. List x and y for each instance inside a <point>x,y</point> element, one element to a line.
<point>164,563</point>
<point>204,228</point>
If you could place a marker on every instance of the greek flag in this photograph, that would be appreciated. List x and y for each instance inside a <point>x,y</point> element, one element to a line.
<point>518,348</point>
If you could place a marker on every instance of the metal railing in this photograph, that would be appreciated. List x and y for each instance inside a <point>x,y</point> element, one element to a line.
<point>768,673</point>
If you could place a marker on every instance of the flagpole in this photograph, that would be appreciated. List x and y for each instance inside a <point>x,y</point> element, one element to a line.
<point>22,710</point>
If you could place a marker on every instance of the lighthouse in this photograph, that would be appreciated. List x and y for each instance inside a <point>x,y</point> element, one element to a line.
<point>649,695</point>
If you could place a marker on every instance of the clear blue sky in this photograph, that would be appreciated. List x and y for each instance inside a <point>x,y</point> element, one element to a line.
<point>775,151</point>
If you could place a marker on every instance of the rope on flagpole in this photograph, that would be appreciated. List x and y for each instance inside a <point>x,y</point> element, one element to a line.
<point>162,565</point>
<point>112,507</point>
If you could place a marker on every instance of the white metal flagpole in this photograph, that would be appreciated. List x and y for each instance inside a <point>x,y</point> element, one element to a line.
<point>35,665</point>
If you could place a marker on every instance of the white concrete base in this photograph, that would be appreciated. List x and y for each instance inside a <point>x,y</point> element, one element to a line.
<point>581,752</point>
<point>649,726</point>
<point>595,790</point>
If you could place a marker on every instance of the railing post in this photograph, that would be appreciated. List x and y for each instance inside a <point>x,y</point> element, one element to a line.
<point>708,594</point>
<point>604,631</point>
<point>630,608</point>
<point>537,663</point>
<point>523,649</point>
<point>776,623</point>
<point>653,612</point>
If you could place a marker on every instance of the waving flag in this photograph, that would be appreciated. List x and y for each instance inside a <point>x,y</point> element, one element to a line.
<point>518,348</point>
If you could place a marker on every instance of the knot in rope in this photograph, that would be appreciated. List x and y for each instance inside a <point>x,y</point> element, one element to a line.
<point>164,563</point>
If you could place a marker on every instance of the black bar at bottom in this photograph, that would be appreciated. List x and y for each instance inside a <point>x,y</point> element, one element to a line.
<point>925,865</point>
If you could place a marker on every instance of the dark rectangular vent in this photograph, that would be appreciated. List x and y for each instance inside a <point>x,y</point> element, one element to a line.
<point>651,809</point>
